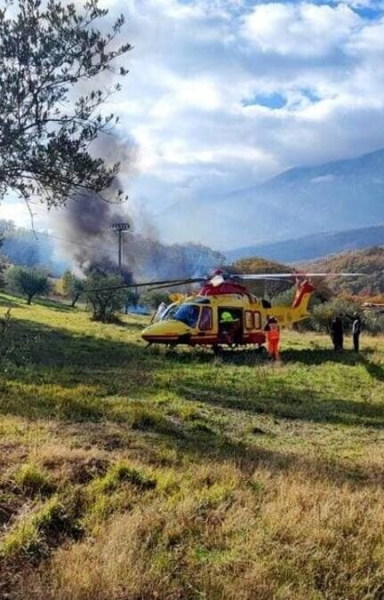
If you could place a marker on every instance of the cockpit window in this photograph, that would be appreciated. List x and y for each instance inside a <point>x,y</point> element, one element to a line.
<point>188,314</point>
<point>168,314</point>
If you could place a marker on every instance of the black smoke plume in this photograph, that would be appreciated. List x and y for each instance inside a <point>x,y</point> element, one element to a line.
<point>86,238</point>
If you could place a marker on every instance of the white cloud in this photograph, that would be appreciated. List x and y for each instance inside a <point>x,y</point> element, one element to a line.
<point>198,100</point>
<point>306,30</point>
<point>323,179</point>
<point>370,39</point>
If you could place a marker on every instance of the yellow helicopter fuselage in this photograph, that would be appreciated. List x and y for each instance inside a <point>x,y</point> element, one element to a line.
<point>198,320</point>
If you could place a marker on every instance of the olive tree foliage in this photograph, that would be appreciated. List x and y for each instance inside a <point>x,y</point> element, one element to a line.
<point>28,281</point>
<point>347,308</point>
<point>153,298</point>
<point>3,263</point>
<point>50,54</point>
<point>6,341</point>
<point>323,314</point>
<point>73,287</point>
<point>102,297</point>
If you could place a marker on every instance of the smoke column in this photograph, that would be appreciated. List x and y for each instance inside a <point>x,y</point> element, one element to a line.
<point>86,222</point>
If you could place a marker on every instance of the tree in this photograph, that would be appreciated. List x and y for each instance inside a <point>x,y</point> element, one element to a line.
<point>73,287</point>
<point>323,314</point>
<point>27,282</point>
<point>152,299</point>
<point>3,262</point>
<point>104,299</point>
<point>46,125</point>
<point>261,265</point>
<point>131,299</point>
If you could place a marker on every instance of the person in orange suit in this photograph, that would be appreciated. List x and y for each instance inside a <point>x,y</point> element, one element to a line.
<point>272,331</point>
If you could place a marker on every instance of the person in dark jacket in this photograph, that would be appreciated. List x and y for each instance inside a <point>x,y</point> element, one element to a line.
<point>356,331</point>
<point>337,334</point>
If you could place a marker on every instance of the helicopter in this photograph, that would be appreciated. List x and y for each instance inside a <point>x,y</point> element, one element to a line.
<point>201,319</point>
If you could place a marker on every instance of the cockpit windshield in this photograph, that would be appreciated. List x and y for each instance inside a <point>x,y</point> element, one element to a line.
<point>168,314</point>
<point>188,314</point>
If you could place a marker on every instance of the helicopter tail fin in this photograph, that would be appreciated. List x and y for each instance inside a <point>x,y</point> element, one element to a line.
<point>299,309</point>
<point>302,297</point>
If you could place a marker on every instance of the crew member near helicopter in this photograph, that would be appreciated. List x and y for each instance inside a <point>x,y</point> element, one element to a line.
<point>272,331</point>
<point>229,326</point>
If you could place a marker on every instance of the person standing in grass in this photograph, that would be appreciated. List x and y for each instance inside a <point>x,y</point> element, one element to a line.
<point>356,331</point>
<point>272,331</point>
<point>337,334</point>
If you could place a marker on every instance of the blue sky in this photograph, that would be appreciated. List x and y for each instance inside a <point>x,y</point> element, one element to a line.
<point>223,94</point>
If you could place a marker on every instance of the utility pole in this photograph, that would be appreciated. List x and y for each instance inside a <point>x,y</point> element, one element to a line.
<point>120,228</point>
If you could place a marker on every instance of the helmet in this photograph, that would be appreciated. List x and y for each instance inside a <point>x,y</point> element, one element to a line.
<point>226,317</point>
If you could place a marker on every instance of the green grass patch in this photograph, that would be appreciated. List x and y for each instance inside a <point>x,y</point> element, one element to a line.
<point>122,473</point>
<point>32,481</point>
<point>29,536</point>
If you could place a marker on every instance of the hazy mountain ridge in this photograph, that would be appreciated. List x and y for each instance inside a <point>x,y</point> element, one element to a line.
<point>342,195</point>
<point>313,246</point>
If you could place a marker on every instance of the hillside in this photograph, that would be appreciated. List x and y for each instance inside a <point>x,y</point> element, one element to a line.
<point>313,246</point>
<point>339,195</point>
<point>257,264</point>
<point>369,261</point>
<point>128,473</point>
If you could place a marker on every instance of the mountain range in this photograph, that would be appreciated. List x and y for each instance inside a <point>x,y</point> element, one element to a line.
<point>336,196</point>
<point>314,246</point>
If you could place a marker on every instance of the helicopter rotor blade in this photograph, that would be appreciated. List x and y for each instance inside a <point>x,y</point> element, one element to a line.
<point>256,276</point>
<point>166,283</point>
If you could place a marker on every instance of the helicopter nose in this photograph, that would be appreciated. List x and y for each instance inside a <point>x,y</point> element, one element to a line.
<point>166,332</point>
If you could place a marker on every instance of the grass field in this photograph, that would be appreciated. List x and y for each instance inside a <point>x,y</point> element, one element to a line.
<point>128,473</point>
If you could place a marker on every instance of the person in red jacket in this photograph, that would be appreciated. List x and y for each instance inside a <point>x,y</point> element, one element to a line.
<point>272,331</point>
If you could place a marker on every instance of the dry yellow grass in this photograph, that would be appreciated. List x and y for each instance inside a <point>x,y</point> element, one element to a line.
<point>229,535</point>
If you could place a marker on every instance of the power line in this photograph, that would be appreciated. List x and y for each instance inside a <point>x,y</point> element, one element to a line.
<point>97,247</point>
<point>57,237</point>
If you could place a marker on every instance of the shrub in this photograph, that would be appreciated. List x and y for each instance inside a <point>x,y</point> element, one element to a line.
<point>73,287</point>
<point>152,299</point>
<point>105,301</point>
<point>27,281</point>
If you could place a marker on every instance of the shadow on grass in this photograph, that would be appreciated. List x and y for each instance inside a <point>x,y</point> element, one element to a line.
<point>56,305</point>
<point>348,357</point>
<point>21,302</point>
<point>56,347</point>
<point>51,373</point>
<point>206,444</point>
<point>249,357</point>
<point>71,376</point>
<point>12,303</point>
<point>249,456</point>
<point>280,399</point>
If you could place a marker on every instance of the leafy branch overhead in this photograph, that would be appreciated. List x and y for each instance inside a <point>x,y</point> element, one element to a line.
<point>47,55</point>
